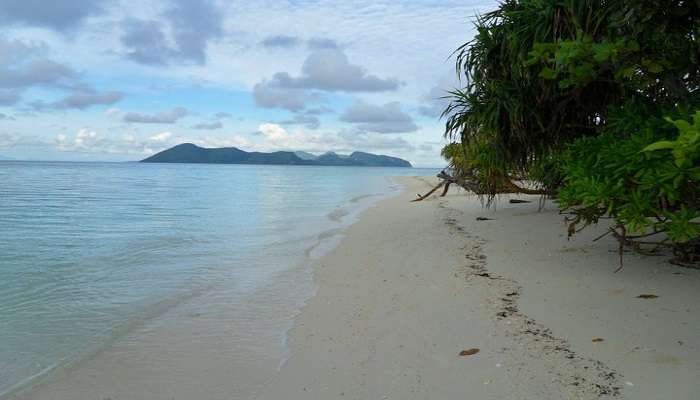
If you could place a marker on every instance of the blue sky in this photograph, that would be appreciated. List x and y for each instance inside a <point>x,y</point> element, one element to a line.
<point>121,79</point>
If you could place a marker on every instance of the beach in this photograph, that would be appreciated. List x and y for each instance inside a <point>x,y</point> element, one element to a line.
<point>420,300</point>
<point>412,285</point>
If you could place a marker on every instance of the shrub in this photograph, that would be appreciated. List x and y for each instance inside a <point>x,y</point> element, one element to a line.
<point>648,181</point>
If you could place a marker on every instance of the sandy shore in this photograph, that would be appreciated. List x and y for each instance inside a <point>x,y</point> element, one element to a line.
<point>414,284</point>
<point>411,286</point>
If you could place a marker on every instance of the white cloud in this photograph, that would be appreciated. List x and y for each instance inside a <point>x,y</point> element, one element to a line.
<point>273,132</point>
<point>161,137</point>
<point>113,111</point>
<point>277,138</point>
<point>91,141</point>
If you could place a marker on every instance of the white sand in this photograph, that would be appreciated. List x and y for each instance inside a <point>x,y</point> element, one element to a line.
<point>413,284</point>
<point>409,288</point>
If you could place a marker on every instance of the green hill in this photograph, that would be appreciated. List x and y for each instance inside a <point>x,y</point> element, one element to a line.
<point>190,153</point>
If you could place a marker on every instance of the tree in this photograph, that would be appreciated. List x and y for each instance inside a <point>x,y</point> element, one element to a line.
<point>567,94</point>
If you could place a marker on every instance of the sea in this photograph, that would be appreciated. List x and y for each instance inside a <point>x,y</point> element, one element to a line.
<point>96,254</point>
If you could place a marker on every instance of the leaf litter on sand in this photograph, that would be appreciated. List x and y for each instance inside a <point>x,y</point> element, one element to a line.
<point>469,352</point>
<point>647,296</point>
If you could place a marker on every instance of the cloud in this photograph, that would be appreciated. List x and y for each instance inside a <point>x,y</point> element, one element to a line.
<point>83,140</point>
<point>113,111</point>
<point>306,119</point>
<point>278,138</point>
<point>146,42</point>
<point>319,110</point>
<point>24,65</point>
<point>330,70</point>
<point>57,15</point>
<point>323,70</point>
<point>273,132</point>
<point>359,140</point>
<point>227,141</point>
<point>222,115</point>
<point>387,118</point>
<point>208,126</point>
<point>12,51</point>
<point>161,137</point>
<point>34,72</point>
<point>282,41</point>
<point>191,25</point>
<point>434,101</point>
<point>9,97</point>
<point>90,141</point>
<point>81,99</point>
<point>164,117</point>
<point>286,41</point>
<point>268,95</point>
<point>9,140</point>
<point>322,43</point>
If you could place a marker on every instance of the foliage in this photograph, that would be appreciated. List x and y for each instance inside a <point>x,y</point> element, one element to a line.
<point>647,183</point>
<point>478,161</point>
<point>572,94</point>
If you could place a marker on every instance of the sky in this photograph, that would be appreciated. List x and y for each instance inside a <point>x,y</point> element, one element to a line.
<point>119,80</point>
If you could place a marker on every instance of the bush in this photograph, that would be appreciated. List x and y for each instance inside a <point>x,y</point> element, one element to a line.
<point>648,181</point>
<point>570,96</point>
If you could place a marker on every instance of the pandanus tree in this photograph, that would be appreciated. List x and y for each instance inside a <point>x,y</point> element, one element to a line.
<point>567,97</point>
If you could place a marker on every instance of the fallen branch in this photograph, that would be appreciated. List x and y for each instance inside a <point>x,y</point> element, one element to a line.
<point>471,185</point>
<point>423,197</point>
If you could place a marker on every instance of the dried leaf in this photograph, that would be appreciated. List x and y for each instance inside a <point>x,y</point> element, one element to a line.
<point>647,296</point>
<point>598,339</point>
<point>518,201</point>
<point>469,352</point>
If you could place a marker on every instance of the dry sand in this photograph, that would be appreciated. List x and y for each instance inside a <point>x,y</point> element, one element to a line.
<point>412,285</point>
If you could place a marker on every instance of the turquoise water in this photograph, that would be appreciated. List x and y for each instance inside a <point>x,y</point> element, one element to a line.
<point>88,248</point>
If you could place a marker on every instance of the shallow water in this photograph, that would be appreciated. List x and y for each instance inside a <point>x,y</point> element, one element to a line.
<point>92,253</point>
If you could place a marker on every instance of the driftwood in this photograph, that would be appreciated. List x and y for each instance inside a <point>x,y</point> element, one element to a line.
<point>447,179</point>
<point>441,184</point>
<point>445,182</point>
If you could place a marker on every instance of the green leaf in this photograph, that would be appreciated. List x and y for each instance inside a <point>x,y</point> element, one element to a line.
<point>548,73</point>
<point>663,144</point>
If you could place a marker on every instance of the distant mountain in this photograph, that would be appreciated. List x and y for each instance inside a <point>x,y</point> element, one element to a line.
<point>305,156</point>
<point>190,153</point>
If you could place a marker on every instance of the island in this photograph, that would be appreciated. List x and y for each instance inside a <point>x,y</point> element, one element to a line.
<point>191,153</point>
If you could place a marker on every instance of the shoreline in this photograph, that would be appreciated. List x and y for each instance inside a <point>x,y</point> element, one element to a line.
<point>412,285</point>
<point>405,288</point>
<point>104,371</point>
